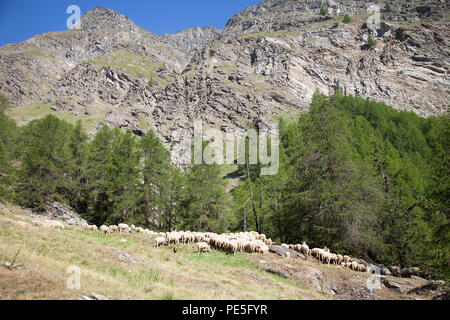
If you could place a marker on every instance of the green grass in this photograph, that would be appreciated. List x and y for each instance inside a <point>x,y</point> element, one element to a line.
<point>290,115</point>
<point>269,34</point>
<point>133,63</point>
<point>36,110</point>
<point>37,53</point>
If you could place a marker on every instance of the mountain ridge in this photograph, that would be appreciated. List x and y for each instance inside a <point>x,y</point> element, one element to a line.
<point>269,60</point>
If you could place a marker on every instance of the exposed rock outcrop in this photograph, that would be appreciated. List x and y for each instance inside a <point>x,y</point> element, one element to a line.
<point>269,60</point>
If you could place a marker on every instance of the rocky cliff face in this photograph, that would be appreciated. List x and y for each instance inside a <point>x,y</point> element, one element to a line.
<point>269,60</point>
<point>189,40</point>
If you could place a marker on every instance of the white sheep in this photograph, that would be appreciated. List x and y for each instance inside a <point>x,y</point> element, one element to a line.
<point>113,229</point>
<point>104,229</point>
<point>262,249</point>
<point>160,241</point>
<point>305,249</point>
<point>123,227</point>
<point>140,230</point>
<point>173,237</point>
<point>203,247</point>
<point>53,224</point>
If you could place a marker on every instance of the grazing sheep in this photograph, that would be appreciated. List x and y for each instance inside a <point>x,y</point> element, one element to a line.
<point>160,241</point>
<point>203,247</point>
<point>408,272</point>
<point>317,253</point>
<point>113,229</point>
<point>386,272</point>
<point>333,258</point>
<point>140,230</point>
<point>285,246</point>
<point>206,239</point>
<point>396,271</point>
<point>53,224</point>
<point>198,236</point>
<point>305,249</point>
<point>123,227</point>
<point>288,254</point>
<point>104,229</point>
<point>149,233</point>
<point>347,259</point>
<point>92,228</point>
<point>250,247</point>
<point>173,237</point>
<point>327,257</point>
<point>233,246</point>
<point>263,249</point>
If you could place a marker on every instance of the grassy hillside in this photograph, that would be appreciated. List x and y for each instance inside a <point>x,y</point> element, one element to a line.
<point>45,255</point>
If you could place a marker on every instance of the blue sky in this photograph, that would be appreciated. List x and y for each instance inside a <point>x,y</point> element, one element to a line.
<point>23,19</point>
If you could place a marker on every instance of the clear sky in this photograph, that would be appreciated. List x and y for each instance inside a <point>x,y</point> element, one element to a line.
<point>23,19</point>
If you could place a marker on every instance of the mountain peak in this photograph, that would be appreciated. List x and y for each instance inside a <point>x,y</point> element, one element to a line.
<point>100,18</point>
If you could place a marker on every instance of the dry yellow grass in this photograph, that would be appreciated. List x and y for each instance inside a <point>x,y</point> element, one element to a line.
<point>47,253</point>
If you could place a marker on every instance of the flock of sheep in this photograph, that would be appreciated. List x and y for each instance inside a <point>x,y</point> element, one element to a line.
<point>48,224</point>
<point>248,242</point>
<point>325,256</point>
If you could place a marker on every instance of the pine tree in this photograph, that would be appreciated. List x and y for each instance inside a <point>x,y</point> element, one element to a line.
<point>113,176</point>
<point>43,161</point>
<point>8,132</point>
<point>76,150</point>
<point>162,189</point>
<point>207,204</point>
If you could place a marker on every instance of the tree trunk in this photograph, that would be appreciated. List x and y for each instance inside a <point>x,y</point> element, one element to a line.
<point>251,198</point>
<point>245,217</point>
<point>261,216</point>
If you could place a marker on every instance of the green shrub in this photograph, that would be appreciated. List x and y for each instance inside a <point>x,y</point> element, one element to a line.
<point>323,11</point>
<point>151,82</point>
<point>387,7</point>
<point>370,42</point>
<point>347,19</point>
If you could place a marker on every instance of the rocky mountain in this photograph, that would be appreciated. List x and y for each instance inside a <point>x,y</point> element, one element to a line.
<point>268,61</point>
<point>191,39</point>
